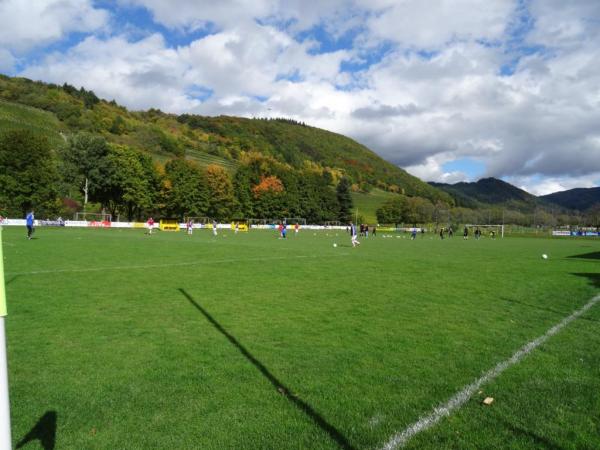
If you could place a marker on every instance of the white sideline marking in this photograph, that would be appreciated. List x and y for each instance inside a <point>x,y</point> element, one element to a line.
<point>460,398</point>
<point>155,266</point>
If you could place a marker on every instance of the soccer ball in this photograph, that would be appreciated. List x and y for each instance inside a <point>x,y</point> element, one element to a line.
<point>335,245</point>
<point>544,256</point>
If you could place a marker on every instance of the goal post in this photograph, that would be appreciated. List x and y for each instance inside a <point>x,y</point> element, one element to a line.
<point>257,221</point>
<point>202,220</point>
<point>83,216</point>
<point>497,229</point>
<point>333,223</point>
<point>294,220</point>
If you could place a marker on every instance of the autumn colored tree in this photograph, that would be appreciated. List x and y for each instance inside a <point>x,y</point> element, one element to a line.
<point>220,190</point>
<point>267,196</point>
<point>268,184</point>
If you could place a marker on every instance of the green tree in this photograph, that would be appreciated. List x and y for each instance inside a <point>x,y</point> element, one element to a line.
<point>318,202</point>
<point>418,210</point>
<point>394,210</point>
<point>28,173</point>
<point>185,190</point>
<point>118,125</point>
<point>86,165</point>
<point>127,188</point>
<point>344,200</point>
<point>242,188</point>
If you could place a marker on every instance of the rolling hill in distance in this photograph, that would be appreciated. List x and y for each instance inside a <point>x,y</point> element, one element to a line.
<point>50,109</point>
<point>57,112</point>
<point>579,198</point>
<point>491,191</point>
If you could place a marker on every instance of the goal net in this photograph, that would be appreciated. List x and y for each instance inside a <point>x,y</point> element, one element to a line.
<point>486,230</point>
<point>92,217</point>
<point>294,220</point>
<point>333,223</point>
<point>262,221</point>
<point>201,220</point>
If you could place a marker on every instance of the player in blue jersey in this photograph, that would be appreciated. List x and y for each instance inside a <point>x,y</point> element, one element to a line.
<point>29,220</point>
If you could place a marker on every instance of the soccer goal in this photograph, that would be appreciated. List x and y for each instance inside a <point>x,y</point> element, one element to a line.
<point>294,220</point>
<point>489,230</point>
<point>92,217</point>
<point>203,221</point>
<point>252,222</point>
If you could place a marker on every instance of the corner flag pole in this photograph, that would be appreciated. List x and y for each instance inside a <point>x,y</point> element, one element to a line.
<point>5,437</point>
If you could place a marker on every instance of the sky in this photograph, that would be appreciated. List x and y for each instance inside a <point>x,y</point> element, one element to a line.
<point>450,90</point>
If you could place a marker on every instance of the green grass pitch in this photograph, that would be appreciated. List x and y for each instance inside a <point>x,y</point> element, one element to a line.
<point>120,340</point>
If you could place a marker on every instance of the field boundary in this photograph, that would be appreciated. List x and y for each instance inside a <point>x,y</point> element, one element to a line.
<point>461,397</point>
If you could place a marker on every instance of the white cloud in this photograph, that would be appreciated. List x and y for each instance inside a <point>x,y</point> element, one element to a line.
<point>27,24</point>
<point>431,24</point>
<point>432,170</point>
<point>299,14</point>
<point>7,61</point>
<point>194,14</point>
<point>141,75</point>
<point>438,94</point>
<point>561,24</point>
<point>537,185</point>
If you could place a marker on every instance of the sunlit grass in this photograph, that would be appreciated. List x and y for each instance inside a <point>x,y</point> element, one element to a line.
<point>249,341</point>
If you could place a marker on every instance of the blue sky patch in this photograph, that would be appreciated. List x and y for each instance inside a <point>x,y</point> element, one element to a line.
<point>137,22</point>
<point>294,77</point>
<point>200,93</point>
<point>472,168</point>
<point>327,42</point>
<point>367,58</point>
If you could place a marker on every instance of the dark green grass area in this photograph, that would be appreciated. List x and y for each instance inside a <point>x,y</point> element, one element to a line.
<point>122,340</point>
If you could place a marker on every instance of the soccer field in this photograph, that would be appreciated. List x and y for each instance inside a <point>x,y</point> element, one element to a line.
<point>120,340</point>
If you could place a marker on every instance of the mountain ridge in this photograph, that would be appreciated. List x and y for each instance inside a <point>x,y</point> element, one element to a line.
<point>493,191</point>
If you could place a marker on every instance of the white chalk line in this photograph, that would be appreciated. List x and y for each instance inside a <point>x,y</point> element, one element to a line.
<point>461,397</point>
<point>182,264</point>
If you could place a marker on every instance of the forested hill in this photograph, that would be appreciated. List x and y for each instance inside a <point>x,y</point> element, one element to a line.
<point>489,191</point>
<point>225,141</point>
<point>580,199</point>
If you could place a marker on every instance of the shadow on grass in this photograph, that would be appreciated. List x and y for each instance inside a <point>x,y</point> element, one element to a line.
<point>592,255</point>
<point>542,308</point>
<point>536,438</point>
<point>281,388</point>
<point>7,282</point>
<point>593,278</point>
<point>44,431</point>
<point>538,307</point>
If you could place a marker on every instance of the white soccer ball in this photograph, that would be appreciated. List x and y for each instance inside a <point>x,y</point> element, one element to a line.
<point>544,256</point>
<point>335,245</point>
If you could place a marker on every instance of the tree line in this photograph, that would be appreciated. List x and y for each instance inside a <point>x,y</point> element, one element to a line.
<point>128,183</point>
<point>413,211</point>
